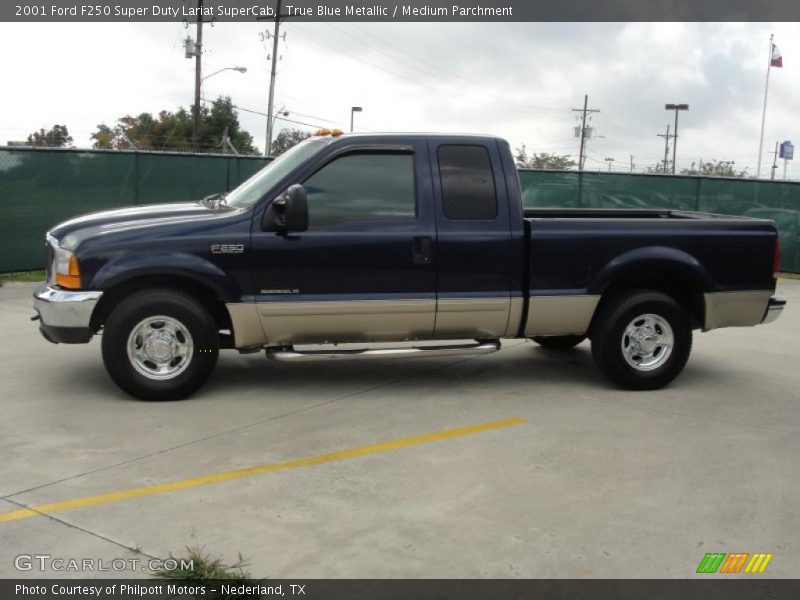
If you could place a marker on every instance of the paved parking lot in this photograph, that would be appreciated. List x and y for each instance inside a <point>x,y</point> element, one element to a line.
<point>518,464</point>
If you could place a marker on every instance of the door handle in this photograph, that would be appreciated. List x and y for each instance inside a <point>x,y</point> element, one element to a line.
<point>422,250</point>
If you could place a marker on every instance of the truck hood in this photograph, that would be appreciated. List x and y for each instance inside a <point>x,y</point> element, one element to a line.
<point>71,233</point>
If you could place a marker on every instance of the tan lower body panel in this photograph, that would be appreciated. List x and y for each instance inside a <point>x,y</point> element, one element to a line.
<point>480,318</point>
<point>735,309</point>
<point>515,316</point>
<point>373,320</point>
<point>247,329</point>
<point>346,321</point>
<point>560,315</point>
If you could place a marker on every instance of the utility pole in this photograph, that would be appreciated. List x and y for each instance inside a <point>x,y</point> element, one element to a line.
<point>666,137</point>
<point>633,166</point>
<point>585,110</point>
<point>774,161</point>
<point>198,77</point>
<point>275,34</point>
<point>609,160</point>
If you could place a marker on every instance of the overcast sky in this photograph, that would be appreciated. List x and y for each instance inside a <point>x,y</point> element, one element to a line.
<point>516,80</point>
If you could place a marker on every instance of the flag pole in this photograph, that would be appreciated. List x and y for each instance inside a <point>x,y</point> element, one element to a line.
<point>764,112</point>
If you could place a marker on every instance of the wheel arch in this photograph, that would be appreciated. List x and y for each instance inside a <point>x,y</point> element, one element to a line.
<point>667,270</point>
<point>205,293</point>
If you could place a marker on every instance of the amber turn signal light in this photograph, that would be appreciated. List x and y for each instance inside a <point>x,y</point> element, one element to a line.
<point>72,279</point>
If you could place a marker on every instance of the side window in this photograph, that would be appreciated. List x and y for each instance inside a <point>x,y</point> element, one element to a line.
<point>358,187</point>
<point>467,183</point>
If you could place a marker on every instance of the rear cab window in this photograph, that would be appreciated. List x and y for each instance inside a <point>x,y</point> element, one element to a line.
<point>467,179</point>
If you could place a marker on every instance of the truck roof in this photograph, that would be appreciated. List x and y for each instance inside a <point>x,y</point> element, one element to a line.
<point>410,134</point>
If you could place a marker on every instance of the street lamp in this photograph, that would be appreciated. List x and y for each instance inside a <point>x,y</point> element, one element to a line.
<point>282,112</point>
<point>353,110</point>
<point>239,69</point>
<point>676,108</point>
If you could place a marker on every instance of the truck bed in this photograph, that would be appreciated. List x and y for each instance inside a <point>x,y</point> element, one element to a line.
<point>619,213</point>
<point>580,251</point>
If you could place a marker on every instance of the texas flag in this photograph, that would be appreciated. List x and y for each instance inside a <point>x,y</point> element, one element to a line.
<point>777,59</point>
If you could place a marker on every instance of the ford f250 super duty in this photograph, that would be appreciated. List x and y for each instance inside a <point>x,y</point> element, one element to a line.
<point>395,238</point>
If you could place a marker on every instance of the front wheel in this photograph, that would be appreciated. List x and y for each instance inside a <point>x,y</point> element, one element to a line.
<point>641,340</point>
<point>160,344</point>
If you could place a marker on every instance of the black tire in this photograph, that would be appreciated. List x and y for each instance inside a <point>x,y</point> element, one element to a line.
<point>608,336</point>
<point>558,342</point>
<point>191,368</point>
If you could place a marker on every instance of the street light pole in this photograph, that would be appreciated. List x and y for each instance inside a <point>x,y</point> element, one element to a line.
<point>353,110</point>
<point>676,108</point>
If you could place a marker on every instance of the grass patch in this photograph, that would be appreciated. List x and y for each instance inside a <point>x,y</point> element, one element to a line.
<point>24,276</point>
<point>198,565</point>
<point>789,275</point>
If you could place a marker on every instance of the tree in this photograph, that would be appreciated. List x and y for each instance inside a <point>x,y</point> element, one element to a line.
<point>715,168</point>
<point>286,139</point>
<point>57,137</point>
<point>223,114</point>
<point>543,160</point>
<point>173,131</point>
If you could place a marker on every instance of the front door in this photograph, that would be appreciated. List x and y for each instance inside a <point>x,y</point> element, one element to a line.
<point>364,270</point>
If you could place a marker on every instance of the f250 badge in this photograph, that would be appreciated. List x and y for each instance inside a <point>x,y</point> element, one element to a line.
<point>227,248</point>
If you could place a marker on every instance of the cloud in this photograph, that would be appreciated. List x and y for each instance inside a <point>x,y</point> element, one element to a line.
<point>517,80</point>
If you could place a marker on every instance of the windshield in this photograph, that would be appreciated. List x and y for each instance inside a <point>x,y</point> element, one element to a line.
<point>254,188</point>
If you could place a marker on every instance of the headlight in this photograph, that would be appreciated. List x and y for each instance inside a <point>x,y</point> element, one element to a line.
<point>66,268</point>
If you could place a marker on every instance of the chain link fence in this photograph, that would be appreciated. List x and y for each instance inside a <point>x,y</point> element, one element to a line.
<point>42,187</point>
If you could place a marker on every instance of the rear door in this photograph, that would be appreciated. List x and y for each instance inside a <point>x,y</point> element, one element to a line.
<point>474,247</point>
<point>364,269</point>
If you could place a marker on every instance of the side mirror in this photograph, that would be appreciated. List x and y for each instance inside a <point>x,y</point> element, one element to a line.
<point>289,212</point>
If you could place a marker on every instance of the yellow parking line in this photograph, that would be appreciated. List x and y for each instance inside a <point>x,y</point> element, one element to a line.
<point>172,486</point>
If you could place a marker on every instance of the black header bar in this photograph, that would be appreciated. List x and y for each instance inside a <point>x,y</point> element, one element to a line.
<point>401,11</point>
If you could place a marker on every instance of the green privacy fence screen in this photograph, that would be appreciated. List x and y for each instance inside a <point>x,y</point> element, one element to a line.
<point>41,187</point>
<point>776,200</point>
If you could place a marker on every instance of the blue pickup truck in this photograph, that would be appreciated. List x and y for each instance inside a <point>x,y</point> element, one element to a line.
<point>400,238</point>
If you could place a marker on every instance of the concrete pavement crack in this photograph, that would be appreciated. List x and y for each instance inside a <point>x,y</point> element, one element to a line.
<point>9,497</point>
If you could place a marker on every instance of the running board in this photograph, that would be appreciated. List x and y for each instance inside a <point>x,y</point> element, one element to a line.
<point>290,354</point>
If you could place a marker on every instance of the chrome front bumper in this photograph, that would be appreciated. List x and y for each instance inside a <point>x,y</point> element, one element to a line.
<point>774,310</point>
<point>65,315</point>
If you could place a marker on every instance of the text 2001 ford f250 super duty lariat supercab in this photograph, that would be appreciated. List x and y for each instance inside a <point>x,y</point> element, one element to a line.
<point>390,238</point>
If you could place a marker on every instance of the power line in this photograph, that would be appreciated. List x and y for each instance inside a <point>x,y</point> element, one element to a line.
<point>263,114</point>
<point>436,72</point>
<point>435,80</point>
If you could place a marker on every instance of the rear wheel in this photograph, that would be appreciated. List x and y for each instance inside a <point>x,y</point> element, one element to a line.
<point>558,342</point>
<point>160,344</point>
<point>641,340</point>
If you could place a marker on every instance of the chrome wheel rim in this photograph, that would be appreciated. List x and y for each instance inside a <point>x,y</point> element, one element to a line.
<point>160,347</point>
<point>647,342</point>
